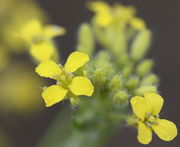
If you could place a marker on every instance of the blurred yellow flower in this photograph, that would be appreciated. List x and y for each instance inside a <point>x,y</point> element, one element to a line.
<point>40,38</point>
<point>147,110</point>
<point>34,32</point>
<point>67,84</point>
<point>13,11</point>
<point>106,15</point>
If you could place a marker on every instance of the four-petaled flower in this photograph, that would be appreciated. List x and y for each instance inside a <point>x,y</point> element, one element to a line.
<point>147,110</point>
<point>67,84</point>
<point>39,38</point>
<point>106,15</point>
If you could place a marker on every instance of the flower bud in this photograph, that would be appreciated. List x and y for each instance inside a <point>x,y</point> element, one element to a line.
<point>144,89</point>
<point>74,101</point>
<point>115,83</point>
<point>140,45</point>
<point>102,74</point>
<point>120,97</point>
<point>132,82</point>
<point>151,79</point>
<point>144,68</point>
<point>85,39</point>
<point>131,121</point>
<point>126,71</point>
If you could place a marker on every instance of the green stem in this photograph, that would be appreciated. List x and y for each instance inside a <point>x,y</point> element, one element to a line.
<point>62,133</point>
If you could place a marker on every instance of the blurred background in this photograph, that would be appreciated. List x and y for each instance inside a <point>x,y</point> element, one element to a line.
<point>23,116</point>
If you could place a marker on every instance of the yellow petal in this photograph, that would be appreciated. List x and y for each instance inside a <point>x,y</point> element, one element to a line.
<point>99,7</point>
<point>53,95</point>
<point>140,107</point>
<point>144,133</point>
<point>31,30</point>
<point>137,23</point>
<point>76,60</point>
<point>51,31</point>
<point>81,86</point>
<point>156,102</point>
<point>48,69</point>
<point>42,51</point>
<point>103,19</point>
<point>166,130</point>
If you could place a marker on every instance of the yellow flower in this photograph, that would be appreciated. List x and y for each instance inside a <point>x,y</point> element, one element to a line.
<point>147,110</point>
<point>106,14</point>
<point>67,84</point>
<point>33,31</point>
<point>40,39</point>
<point>103,12</point>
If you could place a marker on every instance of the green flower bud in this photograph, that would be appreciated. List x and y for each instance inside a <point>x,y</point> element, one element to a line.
<point>100,35</point>
<point>143,89</point>
<point>122,60</point>
<point>131,121</point>
<point>140,45</point>
<point>126,71</point>
<point>74,101</point>
<point>120,97</point>
<point>151,79</point>
<point>101,75</point>
<point>102,59</point>
<point>118,43</point>
<point>144,68</point>
<point>86,40</point>
<point>115,83</point>
<point>132,82</point>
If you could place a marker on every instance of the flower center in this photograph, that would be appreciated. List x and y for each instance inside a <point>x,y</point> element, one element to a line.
<point>65,79</point>
<point>150,120</point>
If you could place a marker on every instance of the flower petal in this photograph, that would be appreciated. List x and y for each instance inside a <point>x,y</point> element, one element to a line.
<point>53,95</point>
<point>81,86</point>
<point>31,30</point>
<point>140,107</point>
<point>166,130</point>
<point>99,7</point>
<point>51,31</point>
<point>76,60</point>
<point>137,23</point>
<point>42,51</point>
<point>48,69</point>
<point>156,102</point>
<point>144,133</point>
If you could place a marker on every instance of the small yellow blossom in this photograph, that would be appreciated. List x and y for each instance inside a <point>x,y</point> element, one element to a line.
<point>103,15</point>
<point>67,83</point>
<point>39,38</point>
<point>147,110</point>
<point>106,15</point>
<point>33,31</point>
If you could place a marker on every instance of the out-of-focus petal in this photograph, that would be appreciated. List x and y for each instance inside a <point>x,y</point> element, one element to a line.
<point>51,31</point>
<point>42,51</point>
